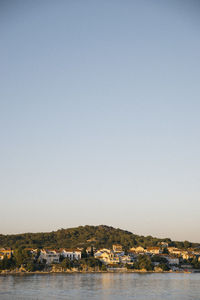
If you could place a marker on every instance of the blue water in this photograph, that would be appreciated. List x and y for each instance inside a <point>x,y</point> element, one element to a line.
<point>105,286</point>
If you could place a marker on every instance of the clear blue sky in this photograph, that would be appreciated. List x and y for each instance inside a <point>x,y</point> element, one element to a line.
<point>100,116</point>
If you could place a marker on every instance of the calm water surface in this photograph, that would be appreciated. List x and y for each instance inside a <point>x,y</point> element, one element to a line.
<point>101,286</point>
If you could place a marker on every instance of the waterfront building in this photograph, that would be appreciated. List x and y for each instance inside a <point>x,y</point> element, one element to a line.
<point>71,253</point>
<point>125,259</point>
<point>107,256</point>
<point>49,256</point>
<point>172,260</point>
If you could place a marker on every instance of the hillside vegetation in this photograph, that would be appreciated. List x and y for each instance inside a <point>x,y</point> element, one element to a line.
<point>84,236</point>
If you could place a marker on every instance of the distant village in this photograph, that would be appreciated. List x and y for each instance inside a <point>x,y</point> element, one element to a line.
<point>160,258</point>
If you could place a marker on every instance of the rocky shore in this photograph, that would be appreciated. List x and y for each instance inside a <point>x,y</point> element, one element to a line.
<point>68,271</point>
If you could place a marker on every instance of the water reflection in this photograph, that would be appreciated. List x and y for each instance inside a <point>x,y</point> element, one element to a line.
<point>107,286</point>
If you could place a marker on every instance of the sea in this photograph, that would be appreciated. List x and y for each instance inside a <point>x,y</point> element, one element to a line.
<point>101,286</point>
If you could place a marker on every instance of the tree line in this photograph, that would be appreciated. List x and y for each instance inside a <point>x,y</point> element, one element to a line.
<point>84,236</point>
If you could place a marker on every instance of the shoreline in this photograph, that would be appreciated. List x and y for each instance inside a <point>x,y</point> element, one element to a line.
<point>94,272</point>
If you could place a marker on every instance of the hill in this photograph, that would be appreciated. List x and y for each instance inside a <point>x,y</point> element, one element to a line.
<point>84,236</point>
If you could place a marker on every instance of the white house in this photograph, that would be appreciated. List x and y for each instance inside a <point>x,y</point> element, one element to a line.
<point>107,256</point>
<point>172,260</point>
<point>71,253</point>
<point>125,259</point>
<point>101,251</point>
<point>50,256</point>
<point>117,249</point>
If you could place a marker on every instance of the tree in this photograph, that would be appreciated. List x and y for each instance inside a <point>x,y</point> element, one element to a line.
<point>195,263</point>
<point>164,266</point>
<point>67,263</point>
<point>23,257</point>
<point>92,251</point>
<point>7,263</point>
<point>165,251</point>
<point>31,266</point>
<point>102,236</point>
<point>144,262</point>
<point>158,258</point>
<point>84,253</point>
<point>103,268</point>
